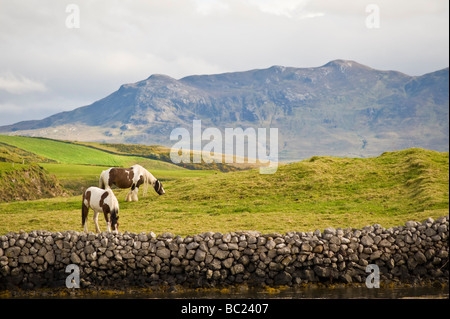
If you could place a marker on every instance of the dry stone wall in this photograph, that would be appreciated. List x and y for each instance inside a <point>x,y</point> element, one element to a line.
<point>410,253</point>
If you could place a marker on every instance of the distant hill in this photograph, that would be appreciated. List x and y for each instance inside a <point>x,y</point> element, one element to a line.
<point>342,108</point>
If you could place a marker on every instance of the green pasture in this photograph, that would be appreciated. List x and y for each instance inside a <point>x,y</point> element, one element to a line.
<point>313,194</point>
<point>70,153</point>
<point>78,166</point>
<point>77,177</point>
<point>64,152</point>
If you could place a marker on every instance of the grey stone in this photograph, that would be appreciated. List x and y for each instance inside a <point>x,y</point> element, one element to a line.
<point>322,271</point>
<point>335,240</point>
<point>128,255</point>
<point>411,224</point>
<point>412,263</point>
<point>89,249</point>
<point>252,240</point>
<point>227,263</point>
<point>190,254</point>
<point>384,243</point>
<point>143,237</point>
<point>221,254</point>
<point>306,247</point>
<point>237,269</point>
<point>175,261</point>
<point>430,232</point>
<point>283,251</point>
<point>443,253</point>
<point>226,238</point>
<point>270,244</point>
<point>50,257</point>
<point>309,275</point>
<point>318,249</point>
<point>216,264</point>
<point>329,230</point>
<point>200,255</point>
<point>442,228</point>
<point>75,259</point>
<point>49,240</point>
<point>163,253</point>
<point>192,245</point>
<point>376,255</point>
<point>283,278</point>
<point>420,258</point>
<point>12,252</point>
<point>103,260</point>
<point>367,240</point>
<point>25,259</point>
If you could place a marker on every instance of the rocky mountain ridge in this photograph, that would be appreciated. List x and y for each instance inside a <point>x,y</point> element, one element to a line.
<point>342,108</point>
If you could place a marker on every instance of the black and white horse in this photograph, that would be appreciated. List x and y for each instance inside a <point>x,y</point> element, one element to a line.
<point>100,200</point>
<point>132,177</point>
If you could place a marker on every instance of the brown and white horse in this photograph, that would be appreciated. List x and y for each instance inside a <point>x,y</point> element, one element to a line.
<point>132,177</point>
<point>100,201</point>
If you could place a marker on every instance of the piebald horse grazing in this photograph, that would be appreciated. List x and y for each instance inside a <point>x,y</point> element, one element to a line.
<point>100,200</point>
<point>132,177</point>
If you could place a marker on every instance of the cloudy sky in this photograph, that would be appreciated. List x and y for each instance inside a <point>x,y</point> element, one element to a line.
<point>58,55</point>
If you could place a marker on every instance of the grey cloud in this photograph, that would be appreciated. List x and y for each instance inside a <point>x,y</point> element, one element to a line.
<point>122,42</point>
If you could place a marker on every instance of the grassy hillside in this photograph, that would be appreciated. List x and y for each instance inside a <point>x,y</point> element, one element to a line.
<point>312,194</point>
<point>70,152</point>
<point>12,154</point>
<point>27,182</point>
<point>162,153</point>
<point>63,152</point>
<point>78,166</point>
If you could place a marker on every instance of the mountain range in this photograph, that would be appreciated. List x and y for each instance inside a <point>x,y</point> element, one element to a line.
<point>342,108</point>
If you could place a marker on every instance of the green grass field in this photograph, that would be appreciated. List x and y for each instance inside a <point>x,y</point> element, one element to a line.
<point>64,152</point>
<point>313,194</point>
<point>78,166</point>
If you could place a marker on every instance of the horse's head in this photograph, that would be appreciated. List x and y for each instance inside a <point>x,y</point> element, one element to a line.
<point>115,221</point>
<point>159,188</point>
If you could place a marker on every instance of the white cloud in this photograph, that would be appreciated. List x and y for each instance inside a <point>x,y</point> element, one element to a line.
<point>206,7</point>
<point>288,8</point>
<point>19,84</point>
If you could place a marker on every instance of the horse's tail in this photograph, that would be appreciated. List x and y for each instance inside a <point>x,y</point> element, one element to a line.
<point>84,207</point>
<point>101,182</point>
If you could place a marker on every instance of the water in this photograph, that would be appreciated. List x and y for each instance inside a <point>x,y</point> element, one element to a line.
<point>239,292</point>
<point>310,293</point>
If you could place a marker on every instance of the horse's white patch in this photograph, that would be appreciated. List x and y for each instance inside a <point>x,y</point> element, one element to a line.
<point>94,203</point>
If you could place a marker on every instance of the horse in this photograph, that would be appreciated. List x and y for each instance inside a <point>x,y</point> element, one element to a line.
<point>132,177</point>
<point>100,201</point>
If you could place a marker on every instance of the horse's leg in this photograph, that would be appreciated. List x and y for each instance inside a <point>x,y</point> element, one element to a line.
<point>135,194</point>
<point>84,214</point>
<point>108,223</point>
<point>97,229</point>
<point>128,198</point>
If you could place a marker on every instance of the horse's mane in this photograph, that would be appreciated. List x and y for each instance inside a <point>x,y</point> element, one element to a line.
<point>148,178</point>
